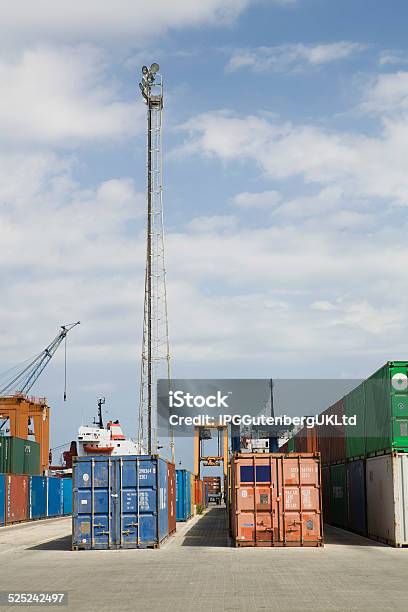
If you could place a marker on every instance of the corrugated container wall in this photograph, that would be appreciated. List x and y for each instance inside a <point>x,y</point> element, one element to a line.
<point>276,500</point>
<point>387,495</point>
<point>171,482</point>
<point>120,502</point>
<point>55,500</point>
<point>67,495</point>
<point>16,498</point>
<point>192,494</point>
<point>18,456</point>
<point>183,495</point>
<point>331,438</point>
<point>2,498</point>
<point>326,494</point>
<point>37,503</point>
<point>199,492</point>
<point>338,501</point>
<point>356,497</point>
<point>306,440</point>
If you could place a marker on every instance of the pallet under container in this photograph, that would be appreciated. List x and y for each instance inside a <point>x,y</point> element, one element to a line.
<point>276,500</point>
<point>120,502</point>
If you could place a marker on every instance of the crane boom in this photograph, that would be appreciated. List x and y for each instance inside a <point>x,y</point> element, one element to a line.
<point>24,380</point>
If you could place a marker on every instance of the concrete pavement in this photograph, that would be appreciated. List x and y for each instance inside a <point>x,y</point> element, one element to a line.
<point>197,571</point>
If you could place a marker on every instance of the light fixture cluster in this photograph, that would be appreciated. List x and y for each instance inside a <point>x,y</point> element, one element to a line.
<point>148,79</point>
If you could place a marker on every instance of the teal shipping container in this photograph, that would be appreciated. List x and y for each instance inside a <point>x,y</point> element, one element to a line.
<point>54,497</point>
<point>67,495</point>
<point>338,495</point>
<point>183,495</point>
<point>2,499</point>
<point>37,491</point>
<point>120,502</point>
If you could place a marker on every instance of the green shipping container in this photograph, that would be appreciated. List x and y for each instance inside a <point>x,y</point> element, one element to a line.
<point>338,500</point>
<point>354,404</point>
<point>18,456</point>
<point>291,445</point>
<point>381,406</point>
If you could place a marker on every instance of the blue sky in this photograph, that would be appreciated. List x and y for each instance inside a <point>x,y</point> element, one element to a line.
<point>286,135</point>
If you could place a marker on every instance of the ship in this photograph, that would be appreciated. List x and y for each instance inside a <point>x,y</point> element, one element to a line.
<point>110,440</point>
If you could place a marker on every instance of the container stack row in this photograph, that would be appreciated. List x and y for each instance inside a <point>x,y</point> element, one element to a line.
<point>25,498</point>
<point>365,460</point>
<point>275,499</point>
<point>191,495</point>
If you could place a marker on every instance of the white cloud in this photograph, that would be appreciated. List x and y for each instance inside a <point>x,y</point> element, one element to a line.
<point>361,166</point>
<point>62,96</point>
<point>390,57</point>
<point>387,94</point>
<point>291,57</point>
<point>263,199</point>
<point>121,21</point>
<point>214,223</point>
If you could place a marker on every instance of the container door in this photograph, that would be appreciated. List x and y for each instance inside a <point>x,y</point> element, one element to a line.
<point>94,504</point>
<point>400,469</point>
<point>380,498</point>
<point>256,500</point>
<point>137,518</point>
<point>299,480</point>
<point>399,406</point>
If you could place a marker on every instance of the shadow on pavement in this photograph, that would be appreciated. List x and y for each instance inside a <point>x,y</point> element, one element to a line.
<point>211,530</point>
<point>337,535</point>
<point>58,544</point>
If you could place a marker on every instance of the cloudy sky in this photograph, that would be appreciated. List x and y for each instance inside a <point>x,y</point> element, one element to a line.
<point>286,189</point>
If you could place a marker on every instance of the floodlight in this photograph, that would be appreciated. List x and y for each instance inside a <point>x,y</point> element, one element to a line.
<point>154,68</point>
<point>145,70</point>
<point>150,78</point>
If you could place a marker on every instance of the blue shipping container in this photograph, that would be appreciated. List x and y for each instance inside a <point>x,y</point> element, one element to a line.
<point>67,495</point>
<point>183,495</point>
<point>37,500</point>
<point>2,498</point>
<point>119,502</point>
<point>356,496</point>
<point>54,496</point>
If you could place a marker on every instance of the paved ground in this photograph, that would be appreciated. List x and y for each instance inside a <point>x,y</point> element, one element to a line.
<point>197,571</point>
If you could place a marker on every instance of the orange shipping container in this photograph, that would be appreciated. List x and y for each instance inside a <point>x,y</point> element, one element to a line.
<point>16,498</point>
<point>276,500</point>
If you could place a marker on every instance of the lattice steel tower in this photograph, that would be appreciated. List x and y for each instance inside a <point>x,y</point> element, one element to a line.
<point>155,351</point>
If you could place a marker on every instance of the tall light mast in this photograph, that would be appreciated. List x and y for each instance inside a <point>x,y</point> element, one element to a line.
<point>155,350</point>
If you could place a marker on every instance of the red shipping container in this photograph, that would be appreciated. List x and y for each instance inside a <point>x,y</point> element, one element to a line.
<point>306,440</point>
<point>16,498</point>
<point>331,437</point>
<point>199,492</point>
<point>276,500</point>
<point>171,489</point>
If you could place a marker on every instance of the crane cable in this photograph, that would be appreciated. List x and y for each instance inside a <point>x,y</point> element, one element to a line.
<point>65,369</point>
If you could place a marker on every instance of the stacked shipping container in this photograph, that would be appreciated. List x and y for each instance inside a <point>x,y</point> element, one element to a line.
<point>365,473</point>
